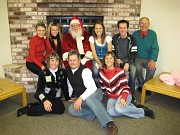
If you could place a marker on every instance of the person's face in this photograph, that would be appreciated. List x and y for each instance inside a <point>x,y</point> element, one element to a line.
<point>98,29</point>
<point>144,24</point>
<point>41,31</point>
<point>73,61</point>
<point>53,63</point>
<point>109,61</point>
<point>123,29</point>
<point>54,30</point>
<point>76,27</point>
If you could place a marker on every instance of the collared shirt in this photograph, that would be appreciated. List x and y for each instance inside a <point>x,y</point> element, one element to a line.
<point>143,33</point>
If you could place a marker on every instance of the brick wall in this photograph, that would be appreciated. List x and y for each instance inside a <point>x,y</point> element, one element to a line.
<point>24,14</point>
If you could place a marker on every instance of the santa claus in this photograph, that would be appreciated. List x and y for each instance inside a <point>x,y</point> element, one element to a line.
<point>77,39</point>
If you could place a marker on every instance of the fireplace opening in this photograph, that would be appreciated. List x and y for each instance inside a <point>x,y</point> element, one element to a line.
<point>63,21</point>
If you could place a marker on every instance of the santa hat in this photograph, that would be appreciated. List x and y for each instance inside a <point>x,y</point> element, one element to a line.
<point>74,20</point>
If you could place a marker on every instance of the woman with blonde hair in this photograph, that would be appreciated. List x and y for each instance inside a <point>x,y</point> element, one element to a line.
<point>53,40</point>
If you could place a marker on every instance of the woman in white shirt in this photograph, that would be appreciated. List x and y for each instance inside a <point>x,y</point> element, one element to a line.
<point>100,43</point>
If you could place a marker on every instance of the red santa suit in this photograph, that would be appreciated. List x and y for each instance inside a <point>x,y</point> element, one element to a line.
<point>81,44</point>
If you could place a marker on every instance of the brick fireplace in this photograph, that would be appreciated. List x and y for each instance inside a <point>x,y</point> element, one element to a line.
<point>24,14</point>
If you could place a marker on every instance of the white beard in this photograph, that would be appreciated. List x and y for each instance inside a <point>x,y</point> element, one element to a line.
<point>75,34</point>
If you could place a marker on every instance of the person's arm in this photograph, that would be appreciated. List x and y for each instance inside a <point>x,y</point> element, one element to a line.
<point>65,47</point>
<point>133,51</point>
<point>154,48</point>
<point>32,52</point>
<point>89,83</point>
<point>109,41</point>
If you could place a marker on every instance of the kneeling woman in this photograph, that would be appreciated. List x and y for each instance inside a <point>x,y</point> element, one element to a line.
<point>114,83</point>
<point>51,82</point>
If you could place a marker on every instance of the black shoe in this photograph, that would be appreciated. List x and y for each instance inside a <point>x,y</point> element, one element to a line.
<point>148,93</point>
<point>22,111</point>
<point>140,89</point>
<point>149,113</point>
<point>138,105</point>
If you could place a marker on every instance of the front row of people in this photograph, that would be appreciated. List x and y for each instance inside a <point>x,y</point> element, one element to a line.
<point>77,82</point>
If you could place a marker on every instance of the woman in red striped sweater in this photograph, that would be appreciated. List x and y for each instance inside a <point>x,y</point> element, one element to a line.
<point>114,83</point>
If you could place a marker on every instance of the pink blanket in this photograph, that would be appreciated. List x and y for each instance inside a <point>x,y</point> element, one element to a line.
<point>171,79</point>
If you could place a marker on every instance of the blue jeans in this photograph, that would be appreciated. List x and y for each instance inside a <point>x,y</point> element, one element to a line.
<point>95,71</point>
<point>114,108</point>
<point>140,64</point>
<point>91,108</point>
<point>132,77</point>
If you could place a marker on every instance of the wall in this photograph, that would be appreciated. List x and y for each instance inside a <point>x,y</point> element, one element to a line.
<point>165,21</point>
<point>5,47</point>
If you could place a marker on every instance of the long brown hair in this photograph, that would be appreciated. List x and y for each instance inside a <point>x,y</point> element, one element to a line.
<point>112,54</point>
<point>103,36</point>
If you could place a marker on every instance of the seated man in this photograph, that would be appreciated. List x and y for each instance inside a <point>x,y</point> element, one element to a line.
<point>77,39</point>
<point>88,103</point>
<point>147,52</point>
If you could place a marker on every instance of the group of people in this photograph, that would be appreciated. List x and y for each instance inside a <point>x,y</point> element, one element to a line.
<point>84,68</point>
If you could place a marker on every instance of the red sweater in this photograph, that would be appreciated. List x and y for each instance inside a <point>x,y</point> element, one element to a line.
<point>114,83</point>
<point>36,50</point>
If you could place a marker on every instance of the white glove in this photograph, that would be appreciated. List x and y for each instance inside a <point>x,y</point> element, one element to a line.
<point>83,61</point>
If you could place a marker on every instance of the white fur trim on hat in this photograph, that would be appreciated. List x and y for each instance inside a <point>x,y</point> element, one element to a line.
<point>74,21</point>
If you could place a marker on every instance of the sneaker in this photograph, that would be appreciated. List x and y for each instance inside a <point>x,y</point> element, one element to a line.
<point>112,129</point>
<point>149,113</point>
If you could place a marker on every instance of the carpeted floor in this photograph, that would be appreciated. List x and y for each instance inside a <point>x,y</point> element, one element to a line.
<point>167,121</point>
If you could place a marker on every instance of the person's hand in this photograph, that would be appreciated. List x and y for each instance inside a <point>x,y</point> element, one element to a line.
<point>119,61</point>
<point>152,65</point>
<point>126,67</point>
<point>78,103</point>
<point>43,67</point>
<point>47,105</point>
<point>122,102</point>
<point>100,65</point>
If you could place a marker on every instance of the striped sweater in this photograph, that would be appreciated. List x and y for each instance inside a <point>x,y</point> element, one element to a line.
<point>114,83</point>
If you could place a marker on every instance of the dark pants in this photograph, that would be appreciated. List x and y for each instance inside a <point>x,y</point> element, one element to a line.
<point>38,109</point>
<point>33,67</point>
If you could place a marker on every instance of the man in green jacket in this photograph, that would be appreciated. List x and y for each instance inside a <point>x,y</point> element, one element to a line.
<point>147,52</point>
